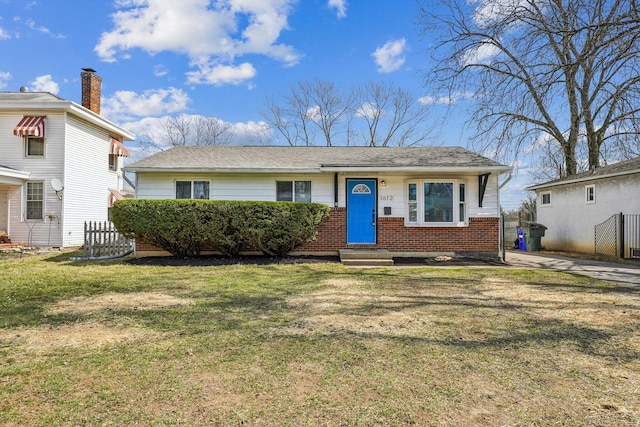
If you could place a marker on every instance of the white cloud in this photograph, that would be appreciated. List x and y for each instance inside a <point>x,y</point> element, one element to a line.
<point>313,113</point>
<point>390,56</point>
<point>367,110</point>
<point>480,54</point>
<point>4,35</point>
<point>445,99</point>
<point>45,84</point>
<point>219,75</point>
<point>340,6</point>
<point>160,70</point>
<point>249,133</point>
<point>126,104</point>
<point>211,35</point>
<point>489,12</point>
<point>5,76</point>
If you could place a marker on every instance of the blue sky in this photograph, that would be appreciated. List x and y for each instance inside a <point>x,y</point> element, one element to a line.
<point>165,57</point>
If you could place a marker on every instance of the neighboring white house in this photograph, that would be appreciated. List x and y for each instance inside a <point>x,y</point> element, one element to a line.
<point>571,207</point>
<point>409,200</point>
<point>59,165</point>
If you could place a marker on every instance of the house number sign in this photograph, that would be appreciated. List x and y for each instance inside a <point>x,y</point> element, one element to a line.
<point>386,198</point>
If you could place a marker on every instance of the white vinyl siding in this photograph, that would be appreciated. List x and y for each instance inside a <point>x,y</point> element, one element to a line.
<point>42,169</point>
<point>87,178</point>
<point>232,187</point>
<point>258,186</point>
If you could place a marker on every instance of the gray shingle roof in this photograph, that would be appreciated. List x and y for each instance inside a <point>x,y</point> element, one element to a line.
<point>275,158</point>
<point>625,167</point>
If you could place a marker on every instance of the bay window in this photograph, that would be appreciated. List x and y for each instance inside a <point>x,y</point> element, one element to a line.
<point>437,203</point>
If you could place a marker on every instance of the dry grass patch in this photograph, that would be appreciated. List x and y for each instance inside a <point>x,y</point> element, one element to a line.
<point>76,336</point>
<point>119,301</point>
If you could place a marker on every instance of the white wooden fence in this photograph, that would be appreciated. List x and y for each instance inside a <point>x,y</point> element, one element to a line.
<point>101,239</point>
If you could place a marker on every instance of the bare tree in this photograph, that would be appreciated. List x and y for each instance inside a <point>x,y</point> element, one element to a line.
<point>311,108</point>
<point>393,116</point>
<point>172,131</point>
<point>568,69</point>
<point>319,113</point>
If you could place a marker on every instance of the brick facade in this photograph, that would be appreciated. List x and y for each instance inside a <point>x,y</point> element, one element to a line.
<point>481,237</point>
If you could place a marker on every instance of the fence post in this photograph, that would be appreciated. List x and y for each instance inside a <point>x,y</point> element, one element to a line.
<point>621,249</point>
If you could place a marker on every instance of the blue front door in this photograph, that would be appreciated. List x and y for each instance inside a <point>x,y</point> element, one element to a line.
<point>361,211</point>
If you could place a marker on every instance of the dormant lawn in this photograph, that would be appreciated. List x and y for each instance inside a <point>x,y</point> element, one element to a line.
<point>313,344</point>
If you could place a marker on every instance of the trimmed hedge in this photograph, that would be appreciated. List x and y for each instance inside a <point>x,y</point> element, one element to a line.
<point>185,227</point>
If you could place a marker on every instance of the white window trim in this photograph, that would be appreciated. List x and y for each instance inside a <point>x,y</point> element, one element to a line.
<point>26,148</point>
<point>293,188</point>
<point>192,181</point>
<point>420,202</point>
<point>586,194</point>
<point>542,194</point>
<point>26,200</point>
<point>116,161</point>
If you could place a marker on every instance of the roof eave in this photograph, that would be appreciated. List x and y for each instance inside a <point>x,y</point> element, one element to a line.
<point>475,169</point>
<point>98,120</point>
<point>217,170</point>
<point>581,179</point>
<point>442,169</point>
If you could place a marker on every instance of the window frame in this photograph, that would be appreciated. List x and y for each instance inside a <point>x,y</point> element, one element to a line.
<point>192,189</point>
<point>415,203</point>
<point>27,140</point>
<point>294,193</point>
<point>27,200</point>
<point>542,197</point>
<point>113,162</point>
<point>590,200</point>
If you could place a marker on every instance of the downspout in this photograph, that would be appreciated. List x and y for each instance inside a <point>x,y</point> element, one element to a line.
<point>335,189</point>
<point>505,181</point>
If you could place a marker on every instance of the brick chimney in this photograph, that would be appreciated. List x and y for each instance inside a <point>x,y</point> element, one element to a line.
<point>91,83</point>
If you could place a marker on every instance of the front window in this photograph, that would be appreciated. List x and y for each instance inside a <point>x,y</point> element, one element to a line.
<point>34,146</point>
<point>35,200</point>
<point>293,191</point>
<point>192,189</point>
<point>436,203</point>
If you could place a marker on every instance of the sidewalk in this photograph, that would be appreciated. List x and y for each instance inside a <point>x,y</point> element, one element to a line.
<point>622,273</point>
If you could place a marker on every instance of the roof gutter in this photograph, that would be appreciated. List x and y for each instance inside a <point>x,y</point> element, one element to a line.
<point>473,169</point>
<point>219,170</point>
<point>582,179</point>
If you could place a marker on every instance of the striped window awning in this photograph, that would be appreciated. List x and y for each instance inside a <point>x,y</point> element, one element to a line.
<point>118,148</point>
<point>30,126</point>
<point>113,196</point>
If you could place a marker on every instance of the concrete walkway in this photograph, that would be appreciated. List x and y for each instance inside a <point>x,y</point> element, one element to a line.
<point>615,272</point>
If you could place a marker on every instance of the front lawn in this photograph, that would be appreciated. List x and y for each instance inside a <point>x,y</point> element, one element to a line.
<point>313,344</point>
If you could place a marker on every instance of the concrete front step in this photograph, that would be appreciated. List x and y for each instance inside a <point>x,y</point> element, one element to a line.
<point>364,257</point>
<point>367,262</point>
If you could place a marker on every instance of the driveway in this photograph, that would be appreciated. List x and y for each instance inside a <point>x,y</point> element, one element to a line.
<point>615,272</point>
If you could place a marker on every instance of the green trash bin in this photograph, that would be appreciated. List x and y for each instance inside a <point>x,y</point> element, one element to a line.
<point>534,232</point>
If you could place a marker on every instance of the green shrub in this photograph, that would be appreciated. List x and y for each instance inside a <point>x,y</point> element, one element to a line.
<point>186,227</point>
